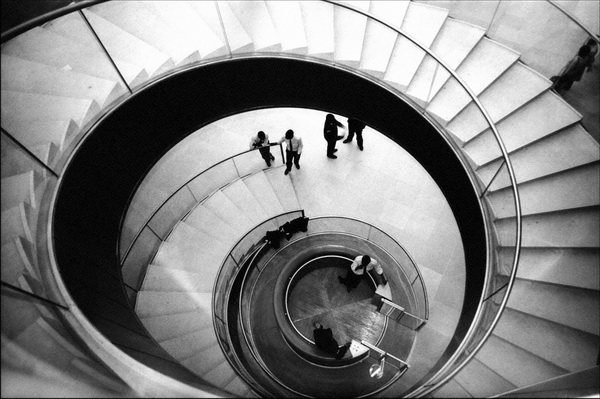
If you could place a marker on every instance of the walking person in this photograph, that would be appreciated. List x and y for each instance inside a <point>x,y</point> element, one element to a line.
<point>330,132</point>
<point>261,141</point>
<point>293,150</point>
<point>573,71</point>
<point>355,126</point>
<point>358,267</point>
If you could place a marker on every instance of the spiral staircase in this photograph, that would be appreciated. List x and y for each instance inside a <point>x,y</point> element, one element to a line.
<point>57,83</point>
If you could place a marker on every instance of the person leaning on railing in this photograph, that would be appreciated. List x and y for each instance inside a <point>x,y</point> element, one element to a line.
<point>261,141</point>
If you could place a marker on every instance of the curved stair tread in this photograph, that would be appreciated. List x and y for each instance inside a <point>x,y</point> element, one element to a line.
<point>184,346</point>
<point>19,74</point>
<point>486,63</point>
<point>183,18</point>
<point>318,25</point>
<point>287,18</point>
<point>545,157</point>
<point>576,228</point>
<point>512,90</point>
<point>30,106</point>
<point>528,125</point>
<point>546,339</point>
<point>17,189</point>
<point>32,133</point>
<point>241,196</point>
<point>574,267</point>
<point>551,193</point>
<point>129,48</point>
<point>17,255</point>
<point>158,303</point>
<point>454,42</point>
<point>45,46</point>
<point>166,327</point>
<point>349,33</point>
<point>239,40</point>
<point>284,189</point>
<point>16,222</point>
<point>255,18</point>
<point>478,380</point>
<point>564,305</point>
<point>407,57</point>
<point>161,278</point>
<point>377,48</point>
<point>203,219</point>
<point>138,19</point>
<point>226,210</point>
<point>203,362</point>
<point>188,258</point>
<point>265,194</point>
<point>518,366</point>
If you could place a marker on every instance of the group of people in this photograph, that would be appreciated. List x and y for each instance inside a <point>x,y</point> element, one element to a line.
<point>294,144</point>
<point>573,71</point>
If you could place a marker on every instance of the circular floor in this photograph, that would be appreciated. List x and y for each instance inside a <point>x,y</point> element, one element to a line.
<point>318,296</point>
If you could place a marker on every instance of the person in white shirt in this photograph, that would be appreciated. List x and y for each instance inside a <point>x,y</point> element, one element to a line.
<point>360,265</point>
<point>261,141</point>
<point>293,150</point>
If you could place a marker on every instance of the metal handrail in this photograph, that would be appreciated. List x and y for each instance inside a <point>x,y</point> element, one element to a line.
<point>181,187</point>
<point>592,35</point>
<point>416,267</point>
<point>517,203</point>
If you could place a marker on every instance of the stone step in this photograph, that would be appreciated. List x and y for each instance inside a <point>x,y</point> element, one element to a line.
<point>512,90</point>
<point>573,267</point>
<point>407,57</point>
<point>485,63</point>
<point>198,22</point>
<point>166,327</point>
<point>159,303</point>
<point>545,157</point>
<point>19,74</point>
<point>575,228</point>
<point>166,279</point>
<point>349,32</point>
<point>246,201</point>
<point>287,19</point>
<point>284,189</point>
<point>140,20</point>
<point>551,193</point>
<point>529,124</point>
<point>265,194</point>
<point>255,18</point>
<point>318,26</point>
<point>18,189</point>
<point>237,37</point>
<point>547,340</point>
<point>187,345</point>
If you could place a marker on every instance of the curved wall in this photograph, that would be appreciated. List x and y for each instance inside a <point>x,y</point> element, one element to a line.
<point>108,165</point>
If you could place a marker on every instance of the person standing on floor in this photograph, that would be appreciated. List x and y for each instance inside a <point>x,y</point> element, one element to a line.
<point>293,150</point>
<point>355,126</point>
<point>330,131</point>
<point>358,267</point>
<point>261,141</point>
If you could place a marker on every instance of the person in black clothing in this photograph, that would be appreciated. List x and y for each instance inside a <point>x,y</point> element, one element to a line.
<point>330,131</point>
<point>325,341</point>
<point>355,126</point>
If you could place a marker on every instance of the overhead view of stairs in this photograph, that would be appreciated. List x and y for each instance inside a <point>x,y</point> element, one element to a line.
<point>61,77</point>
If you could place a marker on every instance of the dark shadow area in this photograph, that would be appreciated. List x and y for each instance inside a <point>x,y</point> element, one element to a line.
<point>105,171</point>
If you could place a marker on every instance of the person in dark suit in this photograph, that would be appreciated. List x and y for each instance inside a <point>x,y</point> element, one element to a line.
<point>330,132</point>
<point>325,341</point>
<point>355,126</point>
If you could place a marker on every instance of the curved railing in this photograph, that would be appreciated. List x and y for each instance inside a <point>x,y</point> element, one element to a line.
<point>180,202</point>
<point>494,298</point>
<point>250,246</point>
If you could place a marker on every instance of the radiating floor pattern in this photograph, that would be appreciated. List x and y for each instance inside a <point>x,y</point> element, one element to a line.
<point>319,297</point>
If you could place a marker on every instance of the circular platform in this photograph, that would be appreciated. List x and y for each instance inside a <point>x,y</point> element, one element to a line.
<point>316,295</point>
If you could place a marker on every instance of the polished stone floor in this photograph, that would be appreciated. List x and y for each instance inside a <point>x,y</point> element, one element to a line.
<point>319,297</point>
